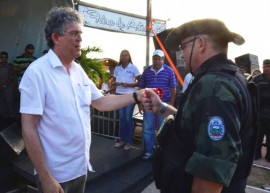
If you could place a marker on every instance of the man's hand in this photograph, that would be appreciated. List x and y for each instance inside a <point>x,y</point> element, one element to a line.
<point>51,186</point>
<point>149,100</point>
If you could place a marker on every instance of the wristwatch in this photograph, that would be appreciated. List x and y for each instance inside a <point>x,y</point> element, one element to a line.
<point>136,98</point>
<point>163,108</point>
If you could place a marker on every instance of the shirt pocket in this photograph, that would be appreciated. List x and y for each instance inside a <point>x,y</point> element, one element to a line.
<point>85,95</point>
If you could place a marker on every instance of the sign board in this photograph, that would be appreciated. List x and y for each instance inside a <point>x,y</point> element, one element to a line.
<point>112,20</point>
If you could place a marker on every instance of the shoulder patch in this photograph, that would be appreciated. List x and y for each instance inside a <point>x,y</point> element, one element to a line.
<point>216,128</point>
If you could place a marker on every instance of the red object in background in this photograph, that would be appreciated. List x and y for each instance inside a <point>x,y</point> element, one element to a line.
<point>158,91</point>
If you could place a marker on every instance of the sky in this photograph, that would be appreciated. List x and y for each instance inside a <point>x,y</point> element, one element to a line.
<point>249,18</point>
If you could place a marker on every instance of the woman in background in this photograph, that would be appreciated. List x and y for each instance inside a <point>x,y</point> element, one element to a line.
<point>126,78</point>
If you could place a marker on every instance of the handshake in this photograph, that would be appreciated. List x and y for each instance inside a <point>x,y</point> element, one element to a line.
<point>158,91</point>
<point>150,100</point>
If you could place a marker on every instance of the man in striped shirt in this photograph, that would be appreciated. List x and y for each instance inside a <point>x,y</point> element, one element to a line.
<point>22,62</point>
<point>158,75</point>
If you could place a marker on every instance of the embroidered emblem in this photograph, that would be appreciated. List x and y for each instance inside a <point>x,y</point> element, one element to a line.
<point>216,128</point>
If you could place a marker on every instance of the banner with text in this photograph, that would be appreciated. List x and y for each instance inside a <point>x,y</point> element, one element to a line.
<point>117,21</point>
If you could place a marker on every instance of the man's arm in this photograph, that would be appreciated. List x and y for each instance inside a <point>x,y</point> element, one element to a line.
<point>113,102</point>
<point>18,68</point>
<point>200,185</point>
<point>112,88</point>
<point>35,152</point>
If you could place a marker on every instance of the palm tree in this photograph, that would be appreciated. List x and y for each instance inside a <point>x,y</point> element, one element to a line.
<point>92,66</point>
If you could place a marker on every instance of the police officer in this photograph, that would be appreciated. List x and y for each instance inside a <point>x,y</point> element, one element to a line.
<point>263,83</point>
<point>212,149</point>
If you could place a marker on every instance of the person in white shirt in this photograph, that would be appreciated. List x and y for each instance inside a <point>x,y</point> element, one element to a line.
<point>126,78</point>
<point>187,80</point>
<point>56,95</point>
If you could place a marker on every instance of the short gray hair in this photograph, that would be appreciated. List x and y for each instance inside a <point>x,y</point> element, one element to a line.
<point>218,44</point>
<point>56,21</point>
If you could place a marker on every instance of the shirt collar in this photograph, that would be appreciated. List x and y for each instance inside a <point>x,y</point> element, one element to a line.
<point>162,68</point>
<point>55,61</point>
<point>209,63</point>
<point>128,66</point>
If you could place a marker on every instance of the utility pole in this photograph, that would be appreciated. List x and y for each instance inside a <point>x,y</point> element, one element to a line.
<point>148,18</point>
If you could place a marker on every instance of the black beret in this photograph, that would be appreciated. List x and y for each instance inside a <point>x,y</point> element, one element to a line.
<point>200,27</point>
<point>266,61</point>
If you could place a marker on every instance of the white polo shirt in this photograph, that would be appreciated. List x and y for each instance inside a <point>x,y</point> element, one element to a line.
<point>63,101</point>
<point>126,75</point>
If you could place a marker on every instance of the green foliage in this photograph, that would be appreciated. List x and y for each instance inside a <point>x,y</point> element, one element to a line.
<point>92,67</point>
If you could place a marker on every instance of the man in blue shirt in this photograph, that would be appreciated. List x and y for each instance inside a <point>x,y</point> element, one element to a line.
<point>158,75</point>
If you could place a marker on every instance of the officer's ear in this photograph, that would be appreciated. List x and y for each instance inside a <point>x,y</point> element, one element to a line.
<point>202,43</point>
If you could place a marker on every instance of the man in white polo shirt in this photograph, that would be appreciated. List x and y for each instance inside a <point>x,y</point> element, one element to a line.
<point>55,98</point>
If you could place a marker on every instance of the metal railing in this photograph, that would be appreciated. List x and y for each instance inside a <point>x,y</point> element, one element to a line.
<point>107,123</point>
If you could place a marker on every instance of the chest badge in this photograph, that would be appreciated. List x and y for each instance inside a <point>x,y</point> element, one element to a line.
<point>216,128</point>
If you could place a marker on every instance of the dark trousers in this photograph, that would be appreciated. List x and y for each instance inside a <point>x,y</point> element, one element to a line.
<point>264,129</point>
<point>76,185</point>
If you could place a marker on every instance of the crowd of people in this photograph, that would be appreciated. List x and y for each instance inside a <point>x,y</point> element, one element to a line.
<point>213,141</point>
<point>10,77</point>
<point>262,82</point>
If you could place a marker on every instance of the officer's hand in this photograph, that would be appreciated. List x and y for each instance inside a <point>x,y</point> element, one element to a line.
<point>150,101</point>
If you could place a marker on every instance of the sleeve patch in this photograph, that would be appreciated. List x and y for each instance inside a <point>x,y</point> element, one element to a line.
<point>216,128</point>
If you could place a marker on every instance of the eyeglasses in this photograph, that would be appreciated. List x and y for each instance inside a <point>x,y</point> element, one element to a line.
<point>184,44</point>
<point>74,34</point>
<point>3,57</point>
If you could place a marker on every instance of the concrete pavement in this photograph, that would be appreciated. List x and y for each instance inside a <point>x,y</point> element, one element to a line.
<point>152,189</point>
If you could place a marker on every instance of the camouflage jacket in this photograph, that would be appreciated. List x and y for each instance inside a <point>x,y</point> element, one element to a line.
<point>209,126</point>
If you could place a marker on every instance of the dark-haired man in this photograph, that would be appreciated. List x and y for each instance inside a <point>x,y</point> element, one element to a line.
<point>7,91</point>
<point>23,61</point>
<point>263,83</point>
<point>211,147</point>
<point>157,75</point>
<point>56,95</point>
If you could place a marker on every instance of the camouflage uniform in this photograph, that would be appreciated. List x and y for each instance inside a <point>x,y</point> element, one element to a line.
<point>208,142</point>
